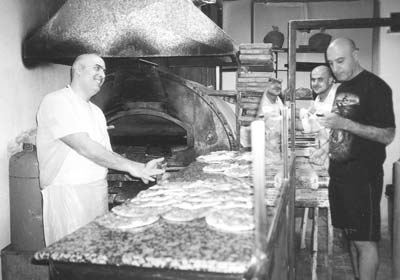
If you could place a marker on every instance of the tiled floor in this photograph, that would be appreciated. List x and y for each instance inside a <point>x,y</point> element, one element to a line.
<point>342,269</point>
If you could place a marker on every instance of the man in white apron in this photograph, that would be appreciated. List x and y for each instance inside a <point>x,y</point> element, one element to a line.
<point>74,152</point>
<point>324,86</point>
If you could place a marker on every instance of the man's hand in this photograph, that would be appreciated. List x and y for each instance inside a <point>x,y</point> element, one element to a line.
<point>153,168</point>
<point>333,121</point>
<point>146,172</point>
<point>155,163</point>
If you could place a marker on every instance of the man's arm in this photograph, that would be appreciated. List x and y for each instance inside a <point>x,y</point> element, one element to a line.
<point>85,146</point>
<point>377,134</point>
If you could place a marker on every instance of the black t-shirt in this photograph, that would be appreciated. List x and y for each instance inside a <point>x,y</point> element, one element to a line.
<point>365,99</point>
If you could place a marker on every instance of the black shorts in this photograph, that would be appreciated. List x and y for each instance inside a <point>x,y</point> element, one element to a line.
<point>355,191</point>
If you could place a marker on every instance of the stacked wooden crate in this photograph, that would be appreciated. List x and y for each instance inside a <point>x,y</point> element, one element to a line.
<point>253,76</point>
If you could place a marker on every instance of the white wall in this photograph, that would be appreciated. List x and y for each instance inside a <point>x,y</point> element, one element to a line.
<point>388,68</point>
<point>21,89</point>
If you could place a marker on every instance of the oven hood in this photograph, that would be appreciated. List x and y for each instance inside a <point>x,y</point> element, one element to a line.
<point>134,29</point>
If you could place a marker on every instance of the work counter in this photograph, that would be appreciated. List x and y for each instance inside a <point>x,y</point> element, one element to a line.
<point>191,246</point>
<point>163,250</point>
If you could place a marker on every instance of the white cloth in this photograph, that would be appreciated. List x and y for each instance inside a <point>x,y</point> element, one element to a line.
<point>74,188</point>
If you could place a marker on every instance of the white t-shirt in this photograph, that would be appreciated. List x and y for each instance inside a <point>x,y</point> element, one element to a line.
<point>309,117</point>
<point>63,113</point>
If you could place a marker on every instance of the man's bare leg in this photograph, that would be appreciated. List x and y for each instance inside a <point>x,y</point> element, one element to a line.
<point>368,259</point>
<point>354,259</point>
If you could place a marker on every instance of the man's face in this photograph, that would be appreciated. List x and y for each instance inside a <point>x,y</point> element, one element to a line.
<point>274,88</point>
<point>343,62</point>
<point>92,74</point>
<point>321,81</point>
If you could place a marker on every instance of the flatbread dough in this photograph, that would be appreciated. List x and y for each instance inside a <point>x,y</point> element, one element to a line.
<point>184,215</point>
<point>232,219</point>
<point>133,211</point>
<point>187,201</point>
<point>114,221</point>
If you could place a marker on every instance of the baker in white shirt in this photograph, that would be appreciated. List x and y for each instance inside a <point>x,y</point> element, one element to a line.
<point>324,86</point>
<point>74,152</point>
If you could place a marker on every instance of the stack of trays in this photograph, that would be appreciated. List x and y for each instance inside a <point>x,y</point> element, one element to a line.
<point>256,70</point>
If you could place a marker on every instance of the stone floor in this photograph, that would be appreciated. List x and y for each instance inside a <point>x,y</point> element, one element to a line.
<point>342,269</point>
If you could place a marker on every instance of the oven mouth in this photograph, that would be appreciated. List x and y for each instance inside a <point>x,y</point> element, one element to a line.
<point>148,127</point>
<point>151,133</point>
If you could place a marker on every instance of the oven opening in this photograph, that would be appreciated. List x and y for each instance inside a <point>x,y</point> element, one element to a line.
<point>144,134</point>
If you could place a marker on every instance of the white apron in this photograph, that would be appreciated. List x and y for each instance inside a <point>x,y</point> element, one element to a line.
<point>69,207</point>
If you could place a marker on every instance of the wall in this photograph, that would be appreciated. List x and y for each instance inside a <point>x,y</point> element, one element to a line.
<point>21,88</point>
<point>388,61</point>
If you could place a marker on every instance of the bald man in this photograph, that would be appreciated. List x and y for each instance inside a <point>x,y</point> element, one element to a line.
<point>74,152</point>
<point>362,123</point>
